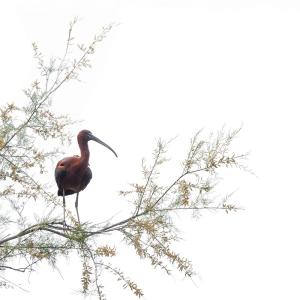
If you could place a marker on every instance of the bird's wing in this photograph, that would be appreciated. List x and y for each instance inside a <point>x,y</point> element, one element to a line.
<point>86,178</point>
<point>63,162</point>
<point>60,174</point>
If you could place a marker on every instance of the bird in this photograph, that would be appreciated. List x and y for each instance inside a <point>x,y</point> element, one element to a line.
<point>73,174</point>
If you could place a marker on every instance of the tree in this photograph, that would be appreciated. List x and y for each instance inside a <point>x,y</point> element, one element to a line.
<point>28,237</point>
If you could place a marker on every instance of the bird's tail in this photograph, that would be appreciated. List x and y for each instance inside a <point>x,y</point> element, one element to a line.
<point>67,192</point>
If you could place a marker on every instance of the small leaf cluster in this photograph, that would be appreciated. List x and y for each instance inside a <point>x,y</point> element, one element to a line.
<point>31,137</point>
<point>29,236</point>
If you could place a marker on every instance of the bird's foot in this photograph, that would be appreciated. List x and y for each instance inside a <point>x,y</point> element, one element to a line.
<point>64,224</point>
<point>77,224</point>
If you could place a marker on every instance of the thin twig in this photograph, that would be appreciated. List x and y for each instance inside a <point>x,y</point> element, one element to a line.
<point>16,285</point>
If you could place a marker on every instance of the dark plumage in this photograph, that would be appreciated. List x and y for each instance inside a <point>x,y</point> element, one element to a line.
<point>61,175</point>
<point>72,174</point>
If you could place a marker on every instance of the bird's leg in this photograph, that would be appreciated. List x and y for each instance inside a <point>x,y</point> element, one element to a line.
<point>76,206</point>
<point>64,205</point>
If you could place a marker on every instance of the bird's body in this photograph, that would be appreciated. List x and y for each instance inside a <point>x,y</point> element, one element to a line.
<point>72,174</point>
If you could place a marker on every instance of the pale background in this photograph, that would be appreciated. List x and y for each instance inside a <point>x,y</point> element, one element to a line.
<point>168,69</point>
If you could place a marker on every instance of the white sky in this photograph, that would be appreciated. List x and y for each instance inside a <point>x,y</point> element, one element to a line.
<point>171,68</point>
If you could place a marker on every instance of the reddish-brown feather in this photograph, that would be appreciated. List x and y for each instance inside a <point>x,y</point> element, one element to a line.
<point>73,173</point>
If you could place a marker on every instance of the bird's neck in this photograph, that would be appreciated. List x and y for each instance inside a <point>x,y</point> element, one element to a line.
<point>84,152</point>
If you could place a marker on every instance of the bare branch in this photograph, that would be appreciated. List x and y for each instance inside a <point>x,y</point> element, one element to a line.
<point>29,237</point>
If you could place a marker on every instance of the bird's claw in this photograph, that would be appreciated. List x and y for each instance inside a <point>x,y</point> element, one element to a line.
<point>64,223</point>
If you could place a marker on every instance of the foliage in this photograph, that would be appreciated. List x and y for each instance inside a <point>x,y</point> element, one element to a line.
<point>27,240</point>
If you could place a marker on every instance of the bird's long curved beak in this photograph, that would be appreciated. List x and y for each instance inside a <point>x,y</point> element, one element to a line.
<point>94,138</point>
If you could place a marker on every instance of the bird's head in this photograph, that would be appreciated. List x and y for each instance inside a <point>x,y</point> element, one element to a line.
<point>86,135</point>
